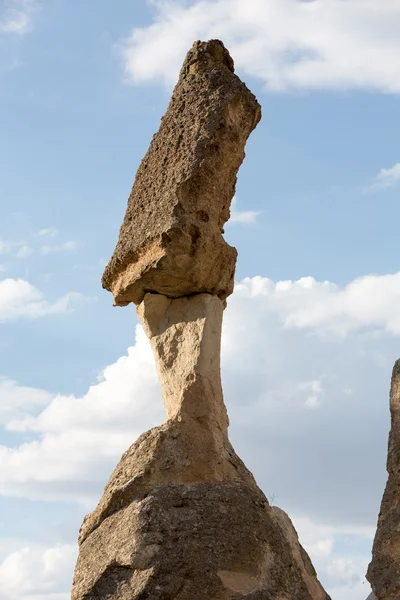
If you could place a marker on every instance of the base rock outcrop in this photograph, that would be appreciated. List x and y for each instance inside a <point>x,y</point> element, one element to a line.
<point>181,517</point>
<point>384,569</point>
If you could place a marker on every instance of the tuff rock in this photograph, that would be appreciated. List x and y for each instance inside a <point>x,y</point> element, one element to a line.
<point>181,517</point>
<point>384,569</point>
<point>171,239</point>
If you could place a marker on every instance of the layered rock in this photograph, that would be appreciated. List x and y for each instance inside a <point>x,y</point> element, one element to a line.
<point>171,238</point>
<point>181,517</point>
<point>384,569</point>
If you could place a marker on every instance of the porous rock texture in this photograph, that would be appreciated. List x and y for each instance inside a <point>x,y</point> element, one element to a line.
<point>181,517</point>
<point>384,569</point>
<point>171,239</point>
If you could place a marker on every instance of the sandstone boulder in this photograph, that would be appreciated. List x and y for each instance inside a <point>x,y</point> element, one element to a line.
<point>171,239</point>
<point>384,569</point>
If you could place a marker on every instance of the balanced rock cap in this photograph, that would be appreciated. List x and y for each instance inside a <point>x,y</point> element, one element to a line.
<point>171,239</point>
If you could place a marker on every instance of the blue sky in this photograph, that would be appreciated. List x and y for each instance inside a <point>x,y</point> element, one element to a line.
<point>312,329</point>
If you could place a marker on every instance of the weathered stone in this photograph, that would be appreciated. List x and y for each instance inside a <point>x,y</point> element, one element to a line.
<point>193,446</point>
<point>384,569</point>
<point>171,239</point>
<point>201,541</point>
<point>182,517</point>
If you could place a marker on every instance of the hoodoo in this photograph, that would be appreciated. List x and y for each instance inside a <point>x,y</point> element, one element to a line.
<point>384,569</point>
<point>181,517</point>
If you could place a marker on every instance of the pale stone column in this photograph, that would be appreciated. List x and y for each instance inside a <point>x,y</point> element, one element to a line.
<point>185,335</point>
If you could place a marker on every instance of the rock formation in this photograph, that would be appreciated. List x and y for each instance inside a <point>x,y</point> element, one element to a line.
<point>384,569</point>
<point>181,517</point>
<point>171,239</point>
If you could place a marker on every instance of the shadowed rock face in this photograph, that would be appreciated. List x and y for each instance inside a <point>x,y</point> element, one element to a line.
<point>384,569</point>
<point>181,517</point>
<point>171,239</point>
<point>181,542</point>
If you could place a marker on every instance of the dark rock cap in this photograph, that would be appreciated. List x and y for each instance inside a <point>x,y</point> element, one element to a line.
<point>171,239</point>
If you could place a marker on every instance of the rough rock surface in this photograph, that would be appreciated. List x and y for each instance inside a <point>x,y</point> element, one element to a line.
<point>181,517</point>
<point>384,569</point>
<point>171,239</point>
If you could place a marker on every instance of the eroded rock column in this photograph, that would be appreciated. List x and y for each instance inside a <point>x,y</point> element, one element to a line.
<point>384,569</point>
<point>181,517</point>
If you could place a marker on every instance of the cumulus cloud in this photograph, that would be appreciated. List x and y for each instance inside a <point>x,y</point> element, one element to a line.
<point>386,178</point>
<point>38,573</point>
<point>17,400</point>
<point>20,299</point>
<point>16,16</point>
<point>287,44</point>
<point>343,575</point>
<point>367,302</point>
<point>80,439</point>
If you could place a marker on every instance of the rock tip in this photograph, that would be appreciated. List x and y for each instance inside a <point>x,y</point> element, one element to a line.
<point>396,368</point>
<point>207,55</point>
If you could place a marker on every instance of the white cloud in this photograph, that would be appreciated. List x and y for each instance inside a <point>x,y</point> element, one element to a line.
<point>17,400</point>
<point>24,251</point>
<point>16,16</point>
<point>38,573</point>
<point>70,458</point>
<point>20,299</point>
<point>385,179</point>
<point>15,248</point>
<point>287,44</point>
<point>371,301</point>
<point>343,576</point>
<point>344,571</point>
<point>49,232</point>
<point>69,246</point>
<point>313,391</point>
<point>242,216</point>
